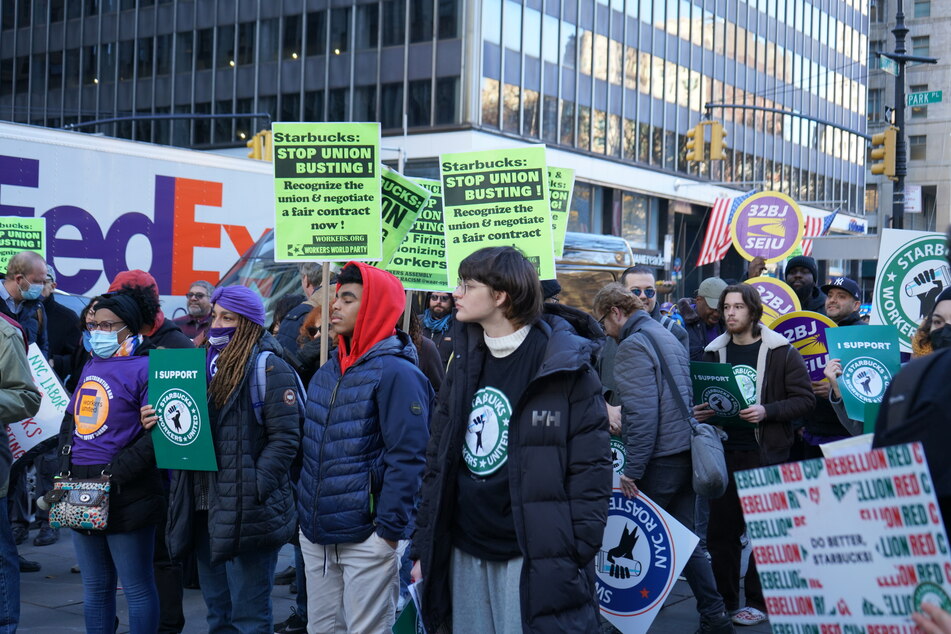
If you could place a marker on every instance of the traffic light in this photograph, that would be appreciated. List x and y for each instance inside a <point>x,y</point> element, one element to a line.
<point>717,134</point>
<point>883,149</point>
<point>261,146</point>
<point>695,142</point>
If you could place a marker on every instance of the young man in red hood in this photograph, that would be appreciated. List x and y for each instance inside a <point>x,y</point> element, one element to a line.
<point>364,446</point>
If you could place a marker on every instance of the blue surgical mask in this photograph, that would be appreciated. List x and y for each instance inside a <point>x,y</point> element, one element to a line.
<point>218,338</point>
<point>87,340</point>
<point>104,344</point>
<point>33,291</point>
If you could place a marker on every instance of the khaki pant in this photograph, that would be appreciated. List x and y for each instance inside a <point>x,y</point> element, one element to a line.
<point>351,588</point>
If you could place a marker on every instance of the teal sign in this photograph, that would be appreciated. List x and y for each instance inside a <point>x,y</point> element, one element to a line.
<point>923,98</point>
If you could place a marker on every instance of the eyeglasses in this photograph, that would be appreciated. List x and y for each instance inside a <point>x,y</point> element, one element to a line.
<point>440,298</point>
<point>196,295</point>
<point>648,292</point>
<point>103,325</point>
<point>601,321</point>
<point>467,286</point>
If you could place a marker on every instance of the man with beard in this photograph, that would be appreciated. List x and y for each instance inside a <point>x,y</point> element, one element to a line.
<point>801,275</point>
<point>437,323</point>
<point>824,424</point>
<point>196,323</point>
<point>777,391</point>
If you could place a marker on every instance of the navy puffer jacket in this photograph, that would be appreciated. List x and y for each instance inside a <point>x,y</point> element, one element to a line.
<point>250,505</point>
<point>365,435</point>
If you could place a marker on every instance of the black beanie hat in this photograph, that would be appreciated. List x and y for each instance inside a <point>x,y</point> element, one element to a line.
<point>126,308</point>
<point>806,262</point>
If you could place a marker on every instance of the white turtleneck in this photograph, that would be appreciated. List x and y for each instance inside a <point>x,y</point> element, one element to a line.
<point>503,346</point>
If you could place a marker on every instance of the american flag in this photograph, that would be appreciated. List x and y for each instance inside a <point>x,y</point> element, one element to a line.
<point>716,242</point>
<point>815,228</point>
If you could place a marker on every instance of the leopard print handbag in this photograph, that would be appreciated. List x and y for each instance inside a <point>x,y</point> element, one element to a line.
<point>79,503</point>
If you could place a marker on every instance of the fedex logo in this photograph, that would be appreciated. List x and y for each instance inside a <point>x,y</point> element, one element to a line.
<point>173,232</point>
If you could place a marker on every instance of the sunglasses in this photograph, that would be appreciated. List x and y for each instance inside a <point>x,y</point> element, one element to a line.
<point>648,292</point>
<point>196,295</point>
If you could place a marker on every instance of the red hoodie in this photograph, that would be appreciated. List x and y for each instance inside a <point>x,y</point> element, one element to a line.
<point>137,277</point>
<point>381,305</point>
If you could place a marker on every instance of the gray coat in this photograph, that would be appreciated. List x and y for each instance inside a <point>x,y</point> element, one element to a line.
<point>653,424</point>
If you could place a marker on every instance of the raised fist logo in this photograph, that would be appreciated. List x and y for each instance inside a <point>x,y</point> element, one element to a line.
<point>926,286</point>
<point>624,550</point>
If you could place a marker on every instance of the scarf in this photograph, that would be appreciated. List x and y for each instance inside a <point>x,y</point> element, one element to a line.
<point>437,325</point>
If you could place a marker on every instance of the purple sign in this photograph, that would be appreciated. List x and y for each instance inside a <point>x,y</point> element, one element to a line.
<point>769,225</point>
<point>806,331</point>
<point>778,298</point>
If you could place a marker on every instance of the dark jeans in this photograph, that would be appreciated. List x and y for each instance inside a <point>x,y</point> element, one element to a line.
<point>668,480</point>
<point>47,466</point>
<point>108,558</point>
<point>9,574</point>
<point>170,583</point>
<point>723,538</point>
<point>238,591</point>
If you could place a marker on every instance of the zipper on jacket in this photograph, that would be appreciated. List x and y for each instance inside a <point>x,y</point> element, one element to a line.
<point>333,398</point>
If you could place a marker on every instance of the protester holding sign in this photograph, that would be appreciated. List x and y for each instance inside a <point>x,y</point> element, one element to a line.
<point>657,435</point>
<point>102,434</point>
<point>781,392</point>
<point>19,399</point>
<point>508,530</point>
<point>236,519</point>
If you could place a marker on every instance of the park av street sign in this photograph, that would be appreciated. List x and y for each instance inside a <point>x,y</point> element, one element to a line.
<point>923,98</point>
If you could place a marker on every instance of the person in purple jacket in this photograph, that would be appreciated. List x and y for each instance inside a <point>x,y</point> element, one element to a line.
<point>102,434</point>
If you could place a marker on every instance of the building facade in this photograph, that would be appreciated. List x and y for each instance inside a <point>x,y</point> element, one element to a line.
<point>610,86</point>
<point>928,182</point>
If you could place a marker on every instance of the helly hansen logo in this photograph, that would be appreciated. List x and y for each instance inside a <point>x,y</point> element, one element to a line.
<point>545,418</point>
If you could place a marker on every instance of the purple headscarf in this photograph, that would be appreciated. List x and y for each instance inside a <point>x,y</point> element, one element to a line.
<point>241,300</point>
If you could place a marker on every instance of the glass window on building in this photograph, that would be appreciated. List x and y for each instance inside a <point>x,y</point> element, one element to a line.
<point>490,102</point>
<point>918,147</point>
<point>447,101</point>
<point>364,101</point>
<point>394,22</point>
<point>316,33</point>
<point>293,37</point>
<point>314,105</point>
<point>126,60</point>
<point>163,54</point>
<point>204,49</point>
<point>184,49</point>
<point>871,198</point>
<point>581,215</point>
<point>391,106</point>
<point>638,221</point>
<point>268,40</point>
<point>420,20</point>
<point>919,112</point>
<point>368,26</point>
<point>338,104</point>
<point>418,103</point>
<point>290,106</point>
<point>876,98</point>
<point>339,30</point>
<point>921,46</point>
<point>202,126</point>
<point>144,57</point>
<point>876,11</point>
<point>225,57</point>
<point>448,19</point>
<point>222,127</point>
<point>245,43</point>
<point>922,8</point>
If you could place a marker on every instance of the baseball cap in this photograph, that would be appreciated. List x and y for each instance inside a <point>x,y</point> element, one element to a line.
<point>845,284</point>
<point>710,290</point>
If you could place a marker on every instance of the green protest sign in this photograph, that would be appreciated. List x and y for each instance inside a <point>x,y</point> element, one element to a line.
<point>561,184</point>
<point>327,191</point>
<point>870,357</point>
<point>420,261</point>
<point>21,234</point>
<point>182,437</point>
<point>401,201</point>
<point>498,198</point>
<point>716,385</point>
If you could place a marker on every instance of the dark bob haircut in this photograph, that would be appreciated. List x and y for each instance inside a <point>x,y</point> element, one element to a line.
<point>507,269</point>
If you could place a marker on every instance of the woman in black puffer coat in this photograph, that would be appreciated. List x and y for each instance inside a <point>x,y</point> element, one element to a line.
<point>237,519</point>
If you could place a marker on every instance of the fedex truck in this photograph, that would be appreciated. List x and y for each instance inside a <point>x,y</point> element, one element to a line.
<point>111,205</point>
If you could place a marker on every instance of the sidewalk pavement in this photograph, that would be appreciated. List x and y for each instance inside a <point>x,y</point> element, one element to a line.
<point>51,599</point>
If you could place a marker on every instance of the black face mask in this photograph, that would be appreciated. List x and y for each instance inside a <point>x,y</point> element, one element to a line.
<point>940,338</point>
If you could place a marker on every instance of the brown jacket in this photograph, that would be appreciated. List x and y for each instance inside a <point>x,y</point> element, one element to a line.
<point>782,387</point>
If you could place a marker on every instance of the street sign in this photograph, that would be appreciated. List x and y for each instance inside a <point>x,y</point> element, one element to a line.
<point>888,65</point>
<point>923,98</point>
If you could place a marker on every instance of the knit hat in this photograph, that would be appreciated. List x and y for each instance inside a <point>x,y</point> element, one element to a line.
<point>943,295</point>
<point>125,307</point>
<point>806,262</point>
<point>241,300</point>
<point>143,279</point>
<point>550,288</point>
